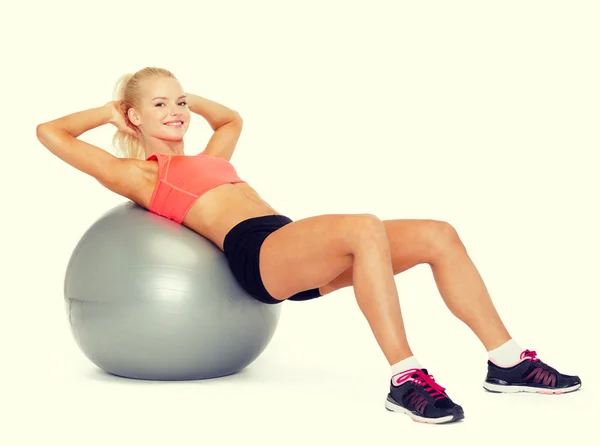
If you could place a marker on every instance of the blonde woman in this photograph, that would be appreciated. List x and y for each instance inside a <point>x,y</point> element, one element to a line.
<point>277,259</point>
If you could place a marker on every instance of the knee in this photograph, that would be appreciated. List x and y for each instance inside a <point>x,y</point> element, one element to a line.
<point>443,236</point>
<point>369,227</point>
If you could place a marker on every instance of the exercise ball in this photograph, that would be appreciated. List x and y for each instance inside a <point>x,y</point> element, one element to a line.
<point>148,298</point>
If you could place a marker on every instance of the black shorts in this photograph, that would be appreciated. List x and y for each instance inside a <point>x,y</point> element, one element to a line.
<point>242,249</point>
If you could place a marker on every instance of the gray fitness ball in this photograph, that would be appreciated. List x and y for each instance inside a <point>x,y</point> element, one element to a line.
<point>148,298</point>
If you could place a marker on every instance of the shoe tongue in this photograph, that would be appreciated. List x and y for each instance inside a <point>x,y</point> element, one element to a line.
<point>416,375</point>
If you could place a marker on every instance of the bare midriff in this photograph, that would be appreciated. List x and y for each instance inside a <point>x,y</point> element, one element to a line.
<point>216,212</point>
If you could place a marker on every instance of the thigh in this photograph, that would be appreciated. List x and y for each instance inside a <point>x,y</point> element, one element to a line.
<point>412,242</point>
<point>308,253</point>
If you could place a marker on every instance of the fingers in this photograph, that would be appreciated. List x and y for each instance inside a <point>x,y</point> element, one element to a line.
<point>125,124</point>
<point>129,129</point>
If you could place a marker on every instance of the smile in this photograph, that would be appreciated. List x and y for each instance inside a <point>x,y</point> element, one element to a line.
<point>175,124</point>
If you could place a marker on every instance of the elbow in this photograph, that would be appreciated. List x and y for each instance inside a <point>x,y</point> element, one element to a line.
<point>48,135</point>
<point>235,120</point>
<point>41,131</point>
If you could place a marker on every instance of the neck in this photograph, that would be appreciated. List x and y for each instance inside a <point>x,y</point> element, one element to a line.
<point>154,146</point>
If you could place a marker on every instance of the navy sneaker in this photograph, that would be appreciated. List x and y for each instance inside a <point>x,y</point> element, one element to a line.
<point>530,374</point>
<point>416,394</point>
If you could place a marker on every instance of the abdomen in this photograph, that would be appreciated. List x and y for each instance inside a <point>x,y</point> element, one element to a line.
<point>220,209</point>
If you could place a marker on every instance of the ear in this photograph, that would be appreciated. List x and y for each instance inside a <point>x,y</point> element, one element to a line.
<point>133,116</point>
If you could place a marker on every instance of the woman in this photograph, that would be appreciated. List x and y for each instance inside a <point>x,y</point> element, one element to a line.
<point>276,259</point>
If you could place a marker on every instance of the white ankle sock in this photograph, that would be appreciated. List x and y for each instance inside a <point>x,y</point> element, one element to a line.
<point>408,363</point>
<point>507,354</point>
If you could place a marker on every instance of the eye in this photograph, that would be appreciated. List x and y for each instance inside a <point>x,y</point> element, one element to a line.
<point>162,103</point>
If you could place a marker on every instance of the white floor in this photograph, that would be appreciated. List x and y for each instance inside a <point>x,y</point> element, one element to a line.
<point>310,389</point>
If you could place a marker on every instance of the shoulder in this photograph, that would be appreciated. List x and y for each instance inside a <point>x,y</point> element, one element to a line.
<point>134,179</point>
<point>148,169</point>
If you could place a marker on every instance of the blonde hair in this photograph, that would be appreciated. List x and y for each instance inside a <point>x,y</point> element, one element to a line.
<point>127,89</point>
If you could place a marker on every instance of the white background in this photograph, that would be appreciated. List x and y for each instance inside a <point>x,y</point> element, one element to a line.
<point>482,114</point>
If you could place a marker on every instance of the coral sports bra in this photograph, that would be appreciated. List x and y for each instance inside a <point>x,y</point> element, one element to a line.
<point>182,179</point>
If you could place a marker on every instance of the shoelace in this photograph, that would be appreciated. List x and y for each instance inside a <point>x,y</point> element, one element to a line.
<point>531,355</point>
<point>435,390</point>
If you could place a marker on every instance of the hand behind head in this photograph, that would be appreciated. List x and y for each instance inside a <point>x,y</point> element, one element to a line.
<point>119,119</point>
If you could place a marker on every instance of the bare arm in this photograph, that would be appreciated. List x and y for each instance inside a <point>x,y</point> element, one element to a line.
<point>215,113</point>
<point>77,123</point>
<point>226,123</point>
<point>60,137</point>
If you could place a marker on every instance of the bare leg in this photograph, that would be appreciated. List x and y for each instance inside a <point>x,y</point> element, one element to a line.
<point>377,297</point>
<point>310,252</point>
<point>414,242</point>
<point>467,297</point>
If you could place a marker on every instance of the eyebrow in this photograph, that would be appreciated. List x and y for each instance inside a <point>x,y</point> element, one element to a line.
<point>162,97</point>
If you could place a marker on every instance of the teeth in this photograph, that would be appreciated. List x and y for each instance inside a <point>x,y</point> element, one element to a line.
<point>178,123</point>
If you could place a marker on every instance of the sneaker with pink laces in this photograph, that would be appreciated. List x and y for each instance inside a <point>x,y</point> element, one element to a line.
<point>415,393</point>
<point>530,374</point>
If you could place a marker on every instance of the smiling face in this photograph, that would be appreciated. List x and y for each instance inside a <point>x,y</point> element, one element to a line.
<point>162,111</point>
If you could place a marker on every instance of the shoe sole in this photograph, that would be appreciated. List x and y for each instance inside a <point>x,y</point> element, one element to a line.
<point>392,407</point>
<point>499,388</point>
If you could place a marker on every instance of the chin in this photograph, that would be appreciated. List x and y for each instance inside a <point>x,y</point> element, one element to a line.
<point>169,136</point>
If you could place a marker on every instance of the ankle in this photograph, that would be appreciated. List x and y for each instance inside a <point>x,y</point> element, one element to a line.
<point>405,364</point>
<point>507,354</point>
